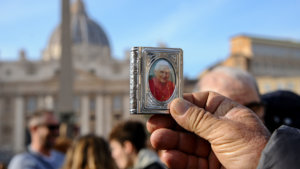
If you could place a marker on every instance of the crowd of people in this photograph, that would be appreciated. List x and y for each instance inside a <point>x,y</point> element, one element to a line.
<point>225,123</point>
<point>127,148</point>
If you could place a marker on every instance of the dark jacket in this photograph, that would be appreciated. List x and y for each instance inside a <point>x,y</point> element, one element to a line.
<point>148,159</point>
<point>282,150</point>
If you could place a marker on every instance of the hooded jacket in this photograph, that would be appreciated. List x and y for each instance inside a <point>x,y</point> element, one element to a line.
<point>148,159</point>
<point>282,150</point>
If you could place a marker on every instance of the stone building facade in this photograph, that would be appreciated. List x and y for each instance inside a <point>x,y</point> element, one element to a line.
<point>275,63</point>
<point>101,83</point>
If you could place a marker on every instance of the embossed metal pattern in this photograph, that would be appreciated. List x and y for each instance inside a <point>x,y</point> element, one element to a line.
<point>142,100</point>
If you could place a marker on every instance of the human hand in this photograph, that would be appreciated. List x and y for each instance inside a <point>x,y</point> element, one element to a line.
<point>207,130</point>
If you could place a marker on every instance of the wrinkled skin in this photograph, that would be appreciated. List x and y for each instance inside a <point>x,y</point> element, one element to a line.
<point>207,130</point>
<point>232,87</point>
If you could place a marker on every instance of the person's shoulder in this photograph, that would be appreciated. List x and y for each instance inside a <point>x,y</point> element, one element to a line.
<point>151,84</point>
<point>58,153</point>
<point>58,156</point>
<point>148,159</point>
<point>170,83</point>
<point>155,165</point>
<point>23,160</point>
<point>22,157</point>
<point>282,149</point>
<point>151,81</point>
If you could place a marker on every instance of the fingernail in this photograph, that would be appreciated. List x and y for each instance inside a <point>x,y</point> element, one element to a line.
<point>181,106</point>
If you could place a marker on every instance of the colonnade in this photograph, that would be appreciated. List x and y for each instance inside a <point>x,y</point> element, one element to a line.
<point>103,115</point>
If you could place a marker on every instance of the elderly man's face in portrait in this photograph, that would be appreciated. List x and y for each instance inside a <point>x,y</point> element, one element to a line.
<point>163,74</point>
<point>161,81</point>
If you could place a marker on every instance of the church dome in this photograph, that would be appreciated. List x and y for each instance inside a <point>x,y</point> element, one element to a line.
<point>83,31</point>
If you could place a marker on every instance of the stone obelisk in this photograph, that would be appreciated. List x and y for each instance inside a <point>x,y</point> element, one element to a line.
<point>65,95</point>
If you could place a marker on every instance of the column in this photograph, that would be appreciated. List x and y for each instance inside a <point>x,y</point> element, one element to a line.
<point>107,115</point>
<point>40,102</point>
<point>1,113</point>
<point>85,115</point>
<point>126,113</point>
<point>65,95</point>
<point>19,126</point>
<point>100,122</point>
<point>1,106</point>
<point>49,103</point>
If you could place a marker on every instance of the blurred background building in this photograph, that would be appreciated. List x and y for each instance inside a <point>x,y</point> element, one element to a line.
<point>101,83</point>
<point>275,63</point>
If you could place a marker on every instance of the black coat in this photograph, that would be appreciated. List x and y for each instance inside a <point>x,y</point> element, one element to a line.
<point>282,151</point>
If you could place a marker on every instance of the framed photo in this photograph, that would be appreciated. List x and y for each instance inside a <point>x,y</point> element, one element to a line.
<point>155,79</point>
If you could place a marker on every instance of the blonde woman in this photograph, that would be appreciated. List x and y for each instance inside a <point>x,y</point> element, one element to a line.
<point>89,152</point>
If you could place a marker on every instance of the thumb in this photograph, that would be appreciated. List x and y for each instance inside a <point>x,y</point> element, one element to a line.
<point>195,119</point>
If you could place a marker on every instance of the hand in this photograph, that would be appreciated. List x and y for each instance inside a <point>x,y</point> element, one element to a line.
<point>207,130</point>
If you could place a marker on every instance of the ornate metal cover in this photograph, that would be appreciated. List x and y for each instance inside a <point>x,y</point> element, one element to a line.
<point>155,79</point>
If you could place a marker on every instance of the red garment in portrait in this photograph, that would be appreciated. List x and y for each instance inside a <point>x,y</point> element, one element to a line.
<point>161,91</point>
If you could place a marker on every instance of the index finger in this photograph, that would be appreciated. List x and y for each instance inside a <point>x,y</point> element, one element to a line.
<point>160,121</point>
<point>211,102</point>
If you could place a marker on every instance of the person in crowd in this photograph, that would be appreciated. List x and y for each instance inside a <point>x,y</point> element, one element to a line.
<point>282,107</point>
<point>2,166</point>
<point>208,130</point>
<point>89,152</point>
<point>62,144</point>
<point>160,85</point>
<point>43,127</point>
<point>235,84</point>
<point>128,145</point>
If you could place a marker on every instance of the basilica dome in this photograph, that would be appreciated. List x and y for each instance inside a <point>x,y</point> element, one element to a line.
<point>84,32</point>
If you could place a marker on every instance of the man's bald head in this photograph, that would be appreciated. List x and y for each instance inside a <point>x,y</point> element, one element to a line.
<point>235,84</point>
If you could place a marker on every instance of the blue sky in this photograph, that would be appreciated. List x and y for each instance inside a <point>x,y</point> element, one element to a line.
<point>201,28</point>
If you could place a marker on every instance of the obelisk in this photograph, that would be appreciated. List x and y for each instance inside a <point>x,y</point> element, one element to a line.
<point>65,95</point>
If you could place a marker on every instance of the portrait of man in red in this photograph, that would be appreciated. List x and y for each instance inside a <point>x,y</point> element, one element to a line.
<point>162,83</point>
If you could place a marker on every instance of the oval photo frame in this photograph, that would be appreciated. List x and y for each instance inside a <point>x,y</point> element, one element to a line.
<point>161,80</point>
